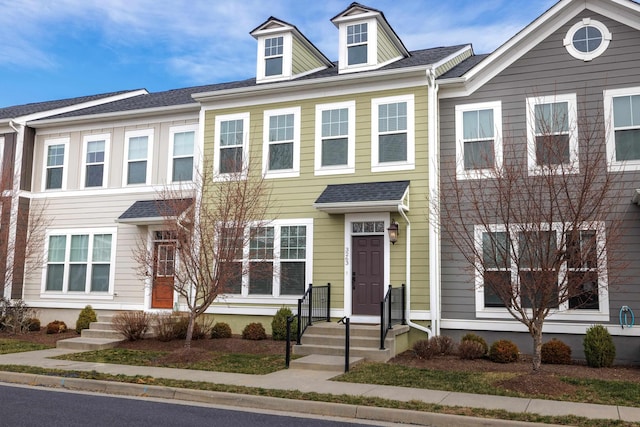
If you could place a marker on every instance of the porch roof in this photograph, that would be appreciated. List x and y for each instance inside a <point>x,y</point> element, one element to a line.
<point>364,197</point>
<point>149,212</point>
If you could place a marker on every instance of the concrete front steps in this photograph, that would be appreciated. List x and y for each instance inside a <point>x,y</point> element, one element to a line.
<point>323,344</point>
<point>100,335</point>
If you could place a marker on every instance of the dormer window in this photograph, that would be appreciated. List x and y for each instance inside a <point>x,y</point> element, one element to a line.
<point>273,56</point>
<point>357,38</point>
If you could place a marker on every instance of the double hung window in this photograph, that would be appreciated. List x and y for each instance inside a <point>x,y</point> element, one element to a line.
<point>55,163</point>
<point>282,143</point>
<point>95,159</point>
<point>357,43</point>
<point>622,107</point>
<point>479,145</point>
<point>182,153</point>
<point>139,149</point>
<point>335,138</point>
<point>273,56</point>
<point>393,133</point>
<point>231,143</point>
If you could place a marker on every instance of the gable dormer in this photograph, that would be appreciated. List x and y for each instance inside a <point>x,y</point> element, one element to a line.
<point>285,53</point>
<point>367,41</point>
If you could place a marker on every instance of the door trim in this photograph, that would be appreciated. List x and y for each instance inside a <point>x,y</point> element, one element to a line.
<point>348,300</point>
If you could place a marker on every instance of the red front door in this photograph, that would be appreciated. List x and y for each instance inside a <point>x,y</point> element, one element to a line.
<point>164,261</point>
<point>367,274</point>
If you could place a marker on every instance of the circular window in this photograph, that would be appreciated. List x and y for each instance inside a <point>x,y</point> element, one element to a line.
<point>587,39</point>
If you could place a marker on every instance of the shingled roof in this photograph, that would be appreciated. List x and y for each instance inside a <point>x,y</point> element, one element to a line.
<point>154,211</point>
<point>463,67</point>
<point>362,197</point>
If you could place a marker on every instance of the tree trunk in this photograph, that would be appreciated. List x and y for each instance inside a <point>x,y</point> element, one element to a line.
<point>192,322</point>
<point>536,333</point>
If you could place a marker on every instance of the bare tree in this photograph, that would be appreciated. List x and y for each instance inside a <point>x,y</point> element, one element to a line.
<point>210,223</point>
<point>539,230</point>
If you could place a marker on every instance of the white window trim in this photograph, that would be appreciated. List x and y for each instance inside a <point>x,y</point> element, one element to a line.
<point>65,163</point>
<point>571,100</point>
<point>65,293</point>
<point>285,173</point>
<point>172,132</point>
<point>287,60</point>
<point>106,137</point>
<point>246,120</point>
<point>562,312</point>
<point>149,133</point>
<point>587,56</point>
<point>372,47</point>
<point>461,172</point>
<point>275,297</point>
<point>409,164</point>
<point>351,139</point>
<point>615,165</point>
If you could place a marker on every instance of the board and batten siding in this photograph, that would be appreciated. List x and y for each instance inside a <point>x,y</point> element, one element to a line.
<point>294,197</point>
<point>548,69</point>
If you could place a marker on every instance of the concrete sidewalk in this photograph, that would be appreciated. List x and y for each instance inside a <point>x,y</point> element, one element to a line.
<point>304,381</point>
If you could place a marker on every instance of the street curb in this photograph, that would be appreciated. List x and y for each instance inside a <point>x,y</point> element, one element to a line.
<point>341,410</point>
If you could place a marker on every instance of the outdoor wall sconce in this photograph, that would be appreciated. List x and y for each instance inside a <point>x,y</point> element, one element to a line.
<point>393,232</point>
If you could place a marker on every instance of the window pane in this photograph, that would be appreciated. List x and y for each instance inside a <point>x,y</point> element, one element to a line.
<point>95,151</point>
<point>292,276</point>
<point>182,169</point>
<point>54,178</point>
<point>100,278</point>
<point>261,244</point>
<point>231,133</point>
<point>231,160</point>
<point>628,144</point>
<point>552,118</point>
<point>281,128</point>
<point>261,278</point>
<point>55,155</point>
<point>495,250</point>
<point>273,46</point>
<point>138,147</point>
<point>57,248</point>
<point>539,288</point>
<point>55,277</point>
<point>183,144</point>
<point>537,249</point>
<point>231,277</point>
<point>77,277</point>
<point>79,248</point>
<point>393,148</point>
<point>101,248</point>
<point>357,54</point>
<point>334,152</point>
<point>392,117</point>
<point>280,156</point>
<point>94,175</point>
<point>496,282</point>
<point>552,149</point>
<point>478,154</point>
<point>273,66</point>
<point>470,125</point>
<point>293,242</point>
<point>137,172</point>
<point>583,290</point>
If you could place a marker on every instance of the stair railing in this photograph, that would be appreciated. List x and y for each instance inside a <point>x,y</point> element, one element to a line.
<point>347,339</point>
<point>314,305</point>
<point>392,311</point>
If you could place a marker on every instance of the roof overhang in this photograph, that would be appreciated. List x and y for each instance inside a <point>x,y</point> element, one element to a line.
<point>154,212</point>
<point>636,196</point>
<point>364,197</point>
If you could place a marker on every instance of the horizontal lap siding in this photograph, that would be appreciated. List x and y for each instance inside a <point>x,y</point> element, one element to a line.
<point>547,70</point>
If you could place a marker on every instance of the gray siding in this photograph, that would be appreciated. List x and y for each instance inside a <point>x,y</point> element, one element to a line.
<point>548,69</point>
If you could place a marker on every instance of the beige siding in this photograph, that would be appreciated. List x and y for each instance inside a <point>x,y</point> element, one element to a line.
<point>386,49</point>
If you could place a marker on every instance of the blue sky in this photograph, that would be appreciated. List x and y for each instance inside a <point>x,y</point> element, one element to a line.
<point>67,48</point>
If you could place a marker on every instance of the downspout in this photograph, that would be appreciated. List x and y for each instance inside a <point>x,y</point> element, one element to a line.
<point>434,204</point>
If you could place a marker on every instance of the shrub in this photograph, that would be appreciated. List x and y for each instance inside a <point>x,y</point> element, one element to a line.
<point>426,349</point>
<point>164,327</point>
<point>446,345</point>
<point>86,316</point>
<point>478,339</point>
<point>279,325</point>
<point>469,349</point>
<point>15,316</point>
<point>34,324</point>
<point>132,324</point>
<point>503,351</point>
<point>555,352</point>
<point>180,326</point>
<point>56,327</point>
<point>221,330</point>
<point>599,349</point>
<point>254,331</point>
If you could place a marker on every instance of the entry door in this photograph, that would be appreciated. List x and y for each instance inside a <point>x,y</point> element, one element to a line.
<point>367,274</point>
<point>162,291</point>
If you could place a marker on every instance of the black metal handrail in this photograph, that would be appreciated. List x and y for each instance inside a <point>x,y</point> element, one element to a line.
<point>392,311</point>
<point>287,354</point>
<point>314,305</point>
<point>347,339</point>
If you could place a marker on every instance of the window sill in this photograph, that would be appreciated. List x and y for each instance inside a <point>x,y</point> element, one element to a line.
<point>282,174</point>
<point>76,296</point>
<point>573,315</point>
<point>391,167</point>
<point>335,171</point>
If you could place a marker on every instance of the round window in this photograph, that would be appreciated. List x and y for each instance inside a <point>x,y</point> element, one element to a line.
<point>587,39</point>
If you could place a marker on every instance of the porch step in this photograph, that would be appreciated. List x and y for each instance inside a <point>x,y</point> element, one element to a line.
<point>318,362</point>
<point>87,344</point>
<point>102,333</point>
<point>328,339</point>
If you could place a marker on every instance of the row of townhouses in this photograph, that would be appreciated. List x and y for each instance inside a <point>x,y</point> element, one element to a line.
<point>349,149</point>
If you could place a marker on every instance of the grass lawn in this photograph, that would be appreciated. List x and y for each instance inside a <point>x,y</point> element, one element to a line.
<point>16,346</point>
<point>623,393</point>
<point>257,364</point>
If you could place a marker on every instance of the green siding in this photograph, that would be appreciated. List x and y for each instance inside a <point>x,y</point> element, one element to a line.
<point>303,59</point>
<point>294,197</point>
<point>386,49</point>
